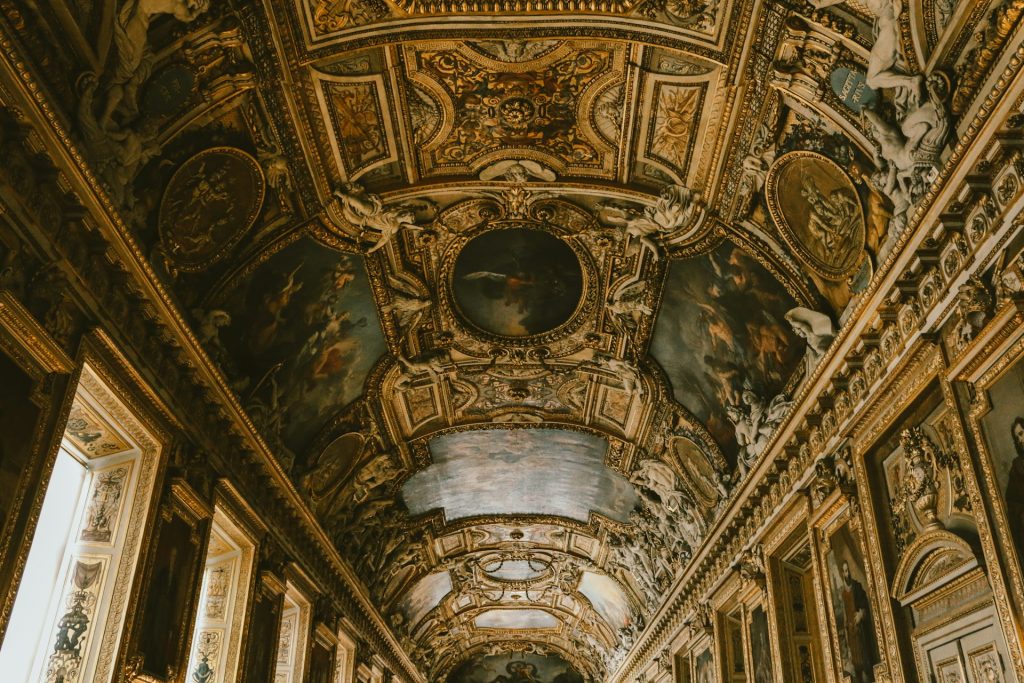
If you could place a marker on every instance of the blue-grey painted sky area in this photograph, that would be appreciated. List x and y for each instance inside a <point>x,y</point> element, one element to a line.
<point>516,619</point>
<point>519,472</point>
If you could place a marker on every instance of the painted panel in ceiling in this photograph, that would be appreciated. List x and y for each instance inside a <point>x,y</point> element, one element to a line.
<point>541,106</point>
<point>607,597</point>
<point>722,326</point>
<point>516,619</point>
<point>514,570</point>
<point>302,336</point>
<point>517,668</point>
<point>519,472</point>
<point>425,596</point>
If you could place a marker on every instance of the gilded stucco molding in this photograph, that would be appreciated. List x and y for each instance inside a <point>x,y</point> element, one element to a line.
<point>181,353</point>
<point>913,284</point>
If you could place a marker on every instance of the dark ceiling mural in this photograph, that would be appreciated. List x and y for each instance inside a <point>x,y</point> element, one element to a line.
<point>297,332</point>
<point>526,668</point>
<point>517,297</point>
<point>517,282</point>
<point>724,342</point>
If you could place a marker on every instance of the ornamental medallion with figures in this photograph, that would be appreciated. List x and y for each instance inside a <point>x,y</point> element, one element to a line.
<point>818,212</point>
<point>210,202</point>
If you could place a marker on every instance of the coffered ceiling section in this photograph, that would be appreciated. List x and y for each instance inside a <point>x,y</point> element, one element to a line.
<point>440,110</point>
<point>327,23</point>
<point>517,292</point>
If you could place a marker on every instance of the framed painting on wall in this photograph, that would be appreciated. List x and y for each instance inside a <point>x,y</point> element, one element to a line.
<point>848,591</point>
<point>704,666</point>
<point>997,423</point>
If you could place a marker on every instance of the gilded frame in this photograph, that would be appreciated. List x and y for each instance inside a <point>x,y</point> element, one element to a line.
<point>30,348</point>
<point>844,512</point>
<point>790,530</point>
<point>1006,568</point>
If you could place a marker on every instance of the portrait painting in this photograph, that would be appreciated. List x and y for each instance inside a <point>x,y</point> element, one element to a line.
<point>818,212</point>
<point>519,472</point>
<point>168,601</point>
<point>210,202</point>
<point>734,644</point>
<point>704,667</point>
<point>515,668</point>
<point>851,607</point>
<point>304,334</point>
<point>721,331</point>
<point>517,282</point>
<point>1003,428</point>
<point>760,650</point>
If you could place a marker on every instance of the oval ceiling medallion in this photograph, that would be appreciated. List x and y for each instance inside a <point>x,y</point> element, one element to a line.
<point>210,202</point>
<point>517,282</point>
<point>818,212</point>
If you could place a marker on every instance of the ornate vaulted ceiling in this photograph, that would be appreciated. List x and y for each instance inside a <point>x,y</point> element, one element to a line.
<point>516,292</point>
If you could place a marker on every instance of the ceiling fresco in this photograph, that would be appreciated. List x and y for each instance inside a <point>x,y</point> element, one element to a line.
<point>517,295</point>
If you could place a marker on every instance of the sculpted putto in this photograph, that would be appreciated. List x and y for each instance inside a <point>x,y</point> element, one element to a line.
<point>677,208</point>
<point>815,328</point>
<point>755,421</point>
<point>367,212</point>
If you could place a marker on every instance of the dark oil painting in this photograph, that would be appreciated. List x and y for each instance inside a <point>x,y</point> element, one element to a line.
<point>515,668</point>
<point>722,328</point>
<point>851,607</point>
<point>760,650</point>
<point>517,282</point>
<point>302,337</point>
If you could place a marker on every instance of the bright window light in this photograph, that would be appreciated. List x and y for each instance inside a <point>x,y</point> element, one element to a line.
<point>42,570</point>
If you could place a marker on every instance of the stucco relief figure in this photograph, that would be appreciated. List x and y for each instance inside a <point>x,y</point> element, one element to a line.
<point>677,207</point>
<point>408,309</point>
<point>414,368</point>
<point>627,305</point>
<point>885,63</point>
<point>815,328</point>
<point>518,171</point>
<point>117,154</point>
<point>133,56</point>
<point>755,420</point>
<point>367,212</point>
<point>910,151</point>
<point>626,372</point>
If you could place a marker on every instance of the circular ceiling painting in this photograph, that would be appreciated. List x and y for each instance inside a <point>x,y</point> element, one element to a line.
<point>517,282</point>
